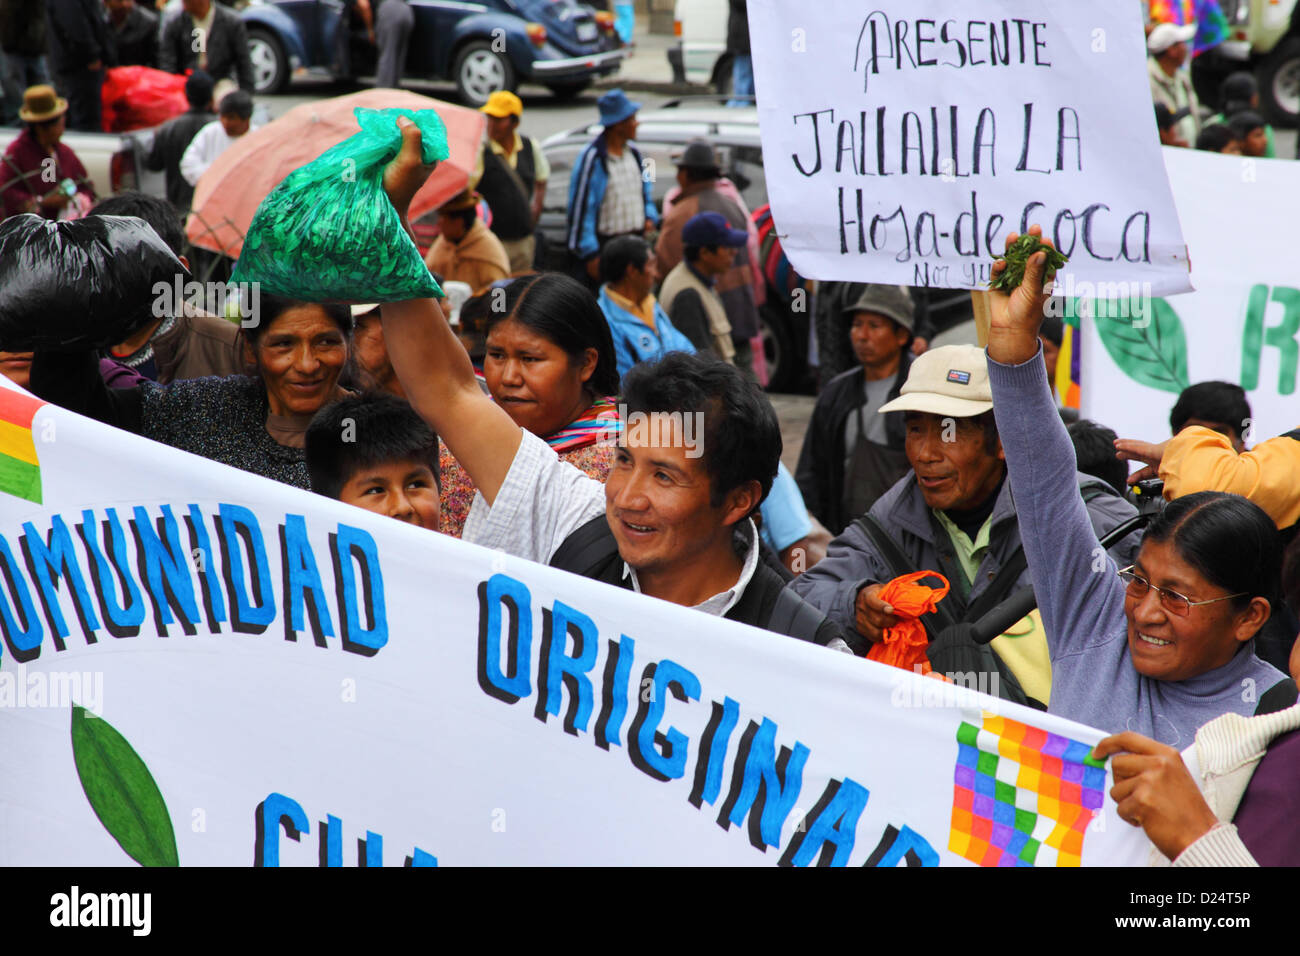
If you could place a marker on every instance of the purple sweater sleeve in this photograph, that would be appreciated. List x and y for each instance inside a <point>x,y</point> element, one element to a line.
<point>117,375</point>
<point>1079,595</point>
<point>1266,817</point>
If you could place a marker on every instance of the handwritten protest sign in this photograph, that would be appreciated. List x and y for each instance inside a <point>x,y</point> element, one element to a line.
<point>201,666</point>
<point>903,139</point>
<point>1243,324</point>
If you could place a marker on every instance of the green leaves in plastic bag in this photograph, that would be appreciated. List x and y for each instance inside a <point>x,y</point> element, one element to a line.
<point>121,791</point>
<point>328,233</point>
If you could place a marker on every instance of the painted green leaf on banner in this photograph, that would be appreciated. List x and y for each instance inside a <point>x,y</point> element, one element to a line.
<point>121,791</point>
<point>1151,349</point>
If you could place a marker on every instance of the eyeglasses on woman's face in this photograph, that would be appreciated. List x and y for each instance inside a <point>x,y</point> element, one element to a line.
<point>1171,601</point>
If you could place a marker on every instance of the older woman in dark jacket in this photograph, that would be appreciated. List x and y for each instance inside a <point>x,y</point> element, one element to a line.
<point>257,422</point>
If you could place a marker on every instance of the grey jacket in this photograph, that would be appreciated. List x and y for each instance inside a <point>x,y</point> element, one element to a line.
<point>852,561</point>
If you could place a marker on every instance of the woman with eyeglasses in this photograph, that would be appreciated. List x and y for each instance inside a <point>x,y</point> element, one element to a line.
<point>1166,645</point>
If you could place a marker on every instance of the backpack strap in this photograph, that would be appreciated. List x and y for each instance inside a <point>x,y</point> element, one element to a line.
<point>1003,584</point>
<point>1091,492</point>
<point>793,616</point>
<point>889,550</point>
<point>588,550</point>
<point>898,564</point>
<point>1280,696</point>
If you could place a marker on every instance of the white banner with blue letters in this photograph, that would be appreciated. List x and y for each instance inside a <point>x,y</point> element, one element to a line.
<point>203,667</point>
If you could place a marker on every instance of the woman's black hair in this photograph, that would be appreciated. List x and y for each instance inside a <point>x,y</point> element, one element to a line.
<point>1228,539</point>
<point>561,309</point>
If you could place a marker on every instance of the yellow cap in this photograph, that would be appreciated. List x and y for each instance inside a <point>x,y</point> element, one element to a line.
<point>503,103</point>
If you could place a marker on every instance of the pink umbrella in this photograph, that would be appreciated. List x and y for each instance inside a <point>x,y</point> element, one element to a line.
<point>229,193</point>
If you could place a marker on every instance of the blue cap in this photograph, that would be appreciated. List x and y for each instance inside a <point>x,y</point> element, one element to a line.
<point>712,229</point>
<point>616,107</point>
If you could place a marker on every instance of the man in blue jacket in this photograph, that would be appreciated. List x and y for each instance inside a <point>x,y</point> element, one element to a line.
<point>641,328</point>
<point>609,195</point>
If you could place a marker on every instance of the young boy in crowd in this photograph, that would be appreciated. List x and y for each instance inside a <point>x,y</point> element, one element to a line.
<point>1250,130</point>
<point>234,119</point>
<point>1094,450</point>
<point>375,452</point>
<point>1167,122</point>
<point>1218,138</point>
<point>1240,93</point>
<point>1218,406</point>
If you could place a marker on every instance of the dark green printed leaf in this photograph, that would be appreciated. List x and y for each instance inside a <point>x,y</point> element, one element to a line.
<point>121,791</point>
<point>1151,349</point>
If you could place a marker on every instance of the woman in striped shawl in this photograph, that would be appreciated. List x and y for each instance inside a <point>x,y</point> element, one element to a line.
<point>550,364</point>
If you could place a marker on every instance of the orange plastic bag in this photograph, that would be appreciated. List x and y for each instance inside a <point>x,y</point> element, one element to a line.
<point>904,644</point>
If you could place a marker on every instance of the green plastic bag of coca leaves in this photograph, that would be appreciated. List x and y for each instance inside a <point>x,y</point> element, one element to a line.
<point>328,232</point>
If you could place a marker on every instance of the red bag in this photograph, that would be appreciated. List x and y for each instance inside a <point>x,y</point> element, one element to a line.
<point>139,97</point>
<point>904,644</point>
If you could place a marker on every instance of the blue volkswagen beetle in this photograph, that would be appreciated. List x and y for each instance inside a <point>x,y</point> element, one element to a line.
<point>481,45</point>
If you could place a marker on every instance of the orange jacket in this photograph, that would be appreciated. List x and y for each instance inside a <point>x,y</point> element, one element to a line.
<point>1198,459</point>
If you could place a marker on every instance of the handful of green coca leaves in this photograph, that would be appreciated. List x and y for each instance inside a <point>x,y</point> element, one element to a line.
<point>1017,257</point>
<point>328,232</point>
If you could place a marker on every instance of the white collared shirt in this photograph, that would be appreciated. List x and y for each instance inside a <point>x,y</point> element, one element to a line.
<point>723,601</point>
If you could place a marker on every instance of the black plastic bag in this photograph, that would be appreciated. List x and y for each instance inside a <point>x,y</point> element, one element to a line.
<point>89,283</point>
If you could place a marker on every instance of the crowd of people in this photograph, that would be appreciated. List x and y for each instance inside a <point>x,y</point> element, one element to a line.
<point>1236,128</point>
<point>69,44</point>
<point>508,427</point>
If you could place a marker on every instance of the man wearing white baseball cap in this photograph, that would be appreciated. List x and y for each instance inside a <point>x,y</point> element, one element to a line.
<point>952,513</point>
<point>1171,85</point>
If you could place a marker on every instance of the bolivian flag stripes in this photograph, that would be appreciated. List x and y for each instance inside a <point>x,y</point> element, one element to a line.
<point>20,472</point>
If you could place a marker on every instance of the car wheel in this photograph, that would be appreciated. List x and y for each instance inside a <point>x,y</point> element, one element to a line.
<point>480,71</point>
<point>270,65</point>
<point>1279,83</point>
<point>778,349</point>
<point>722,75</point>
<point>567,91</point>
